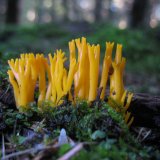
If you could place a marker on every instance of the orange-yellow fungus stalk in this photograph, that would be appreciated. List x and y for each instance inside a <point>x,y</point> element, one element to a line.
<point>116,79</point>
<point>129,99</point>
<point>94,55</point>
<point>81,60</point>
<point>128,119</point>
<point>49,87</point>
<point>42,70</point>
<point>70,77</point>
<point>52,72</point>
<point>117,82</point>
<point>72,49</point>
<point>123,97</point>
<point>81,82</point>
<point>15,87</point>
<point>106,67</point>
<point>118,57</point>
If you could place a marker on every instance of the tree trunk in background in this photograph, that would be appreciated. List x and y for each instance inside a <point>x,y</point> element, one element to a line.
<point>39,11</point>
<point>97,10</point>
<point>74,11</point>
<point>12,12</point>
<point>2,11</point>
<point>65,7</point>
<point>138,13</point>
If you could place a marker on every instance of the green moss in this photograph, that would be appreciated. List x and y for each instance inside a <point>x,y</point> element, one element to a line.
<point>95,123</point>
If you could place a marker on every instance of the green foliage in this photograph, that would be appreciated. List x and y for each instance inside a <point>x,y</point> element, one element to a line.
<point>91,123</point>
<point>12,117</point>
<point>135,42</point>
<point>112,150</point>
<point>63,149</point>
<point>140,47</point>
<point>21,39</point>
<point>98,135</point>
<point>17,140</point>
<point>148,63</point>
<point>81,121</point>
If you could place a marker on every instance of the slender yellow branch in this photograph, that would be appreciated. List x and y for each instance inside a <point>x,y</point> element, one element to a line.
<point>94,53</point>
<point>106,67</point>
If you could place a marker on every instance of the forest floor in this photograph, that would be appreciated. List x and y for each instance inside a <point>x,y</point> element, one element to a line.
<point>94,132</point>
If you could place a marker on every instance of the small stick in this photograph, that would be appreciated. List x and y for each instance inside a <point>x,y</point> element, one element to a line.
<point>3,146</point>
<point>72,152</point>
<point>139,134</point>
<point>20,153</point>
<point>27,151</point>
<point>147,134</point>
<point>5,92</point>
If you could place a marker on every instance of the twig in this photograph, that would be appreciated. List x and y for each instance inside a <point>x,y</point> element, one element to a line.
<point>5,92</point>
<point>139,134</point>
<point>3,146</point>
<point>20,153</point>
<point>72,152</point>
<point>27,151</point>
<point>14,128</point>
<point>147,134</point>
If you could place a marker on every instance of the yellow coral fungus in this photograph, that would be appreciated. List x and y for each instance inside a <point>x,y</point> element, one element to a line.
<point>61,81</point>
<point>57,75</point>
<point>23,76</point>
<point>55,81</point>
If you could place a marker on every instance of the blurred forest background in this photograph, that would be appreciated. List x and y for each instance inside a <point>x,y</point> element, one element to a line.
<point>46,25</point>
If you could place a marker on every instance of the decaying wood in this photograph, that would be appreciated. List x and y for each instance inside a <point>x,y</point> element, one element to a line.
<point>146,110</point>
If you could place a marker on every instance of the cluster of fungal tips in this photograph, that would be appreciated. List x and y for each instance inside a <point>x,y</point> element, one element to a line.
<point>81,80</point>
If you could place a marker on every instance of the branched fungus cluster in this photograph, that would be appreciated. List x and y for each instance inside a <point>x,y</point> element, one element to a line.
<point>82,80</point>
